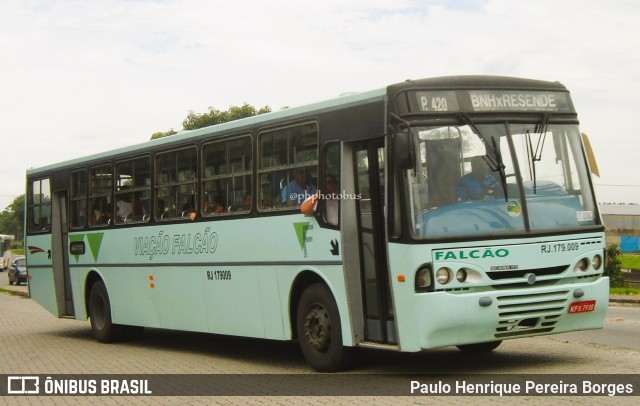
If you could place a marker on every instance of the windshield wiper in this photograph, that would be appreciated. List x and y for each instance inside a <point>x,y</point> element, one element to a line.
<point>536,156</point>
<point>492,157</point>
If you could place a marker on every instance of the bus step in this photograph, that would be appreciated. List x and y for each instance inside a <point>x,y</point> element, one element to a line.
<point>379,346</point>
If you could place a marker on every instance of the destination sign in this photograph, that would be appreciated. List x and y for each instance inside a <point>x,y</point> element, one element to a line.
<point>437,101</point>
<point>489,100</point>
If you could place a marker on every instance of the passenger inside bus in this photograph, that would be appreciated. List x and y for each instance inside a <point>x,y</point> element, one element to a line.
<point>189,207</point>
<point>160,208</point>
<point>246,202</point>
<point>101,213</point>
<point>124,207</point>
<point>138,207</point>
<point>297,189</point>
<point>218,206</point>
<point>331,203</point>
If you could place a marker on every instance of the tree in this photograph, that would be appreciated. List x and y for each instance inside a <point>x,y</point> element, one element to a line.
<point>162,134</point>
<point>11,218</point>
<point>215,116</point>
<point>613,269</point>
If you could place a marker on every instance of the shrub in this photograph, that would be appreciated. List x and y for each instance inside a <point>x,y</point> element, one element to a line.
<point>613,269</point>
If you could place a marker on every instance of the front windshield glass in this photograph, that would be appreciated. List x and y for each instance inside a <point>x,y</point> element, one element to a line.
<point>466,179</point>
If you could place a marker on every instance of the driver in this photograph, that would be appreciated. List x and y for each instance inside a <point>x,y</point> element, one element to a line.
<point>477,184</point>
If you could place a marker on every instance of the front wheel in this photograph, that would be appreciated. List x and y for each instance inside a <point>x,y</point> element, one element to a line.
<point>319,330</point>
<point>479,348</point>
<point>104,330</point>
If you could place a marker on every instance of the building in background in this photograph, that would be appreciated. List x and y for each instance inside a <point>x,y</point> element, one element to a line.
<point>622,225</point>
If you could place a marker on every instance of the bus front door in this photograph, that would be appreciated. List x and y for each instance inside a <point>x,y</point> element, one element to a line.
<point>369,183</point>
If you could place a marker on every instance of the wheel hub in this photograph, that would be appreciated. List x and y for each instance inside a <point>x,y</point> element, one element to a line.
<point>317,328</point>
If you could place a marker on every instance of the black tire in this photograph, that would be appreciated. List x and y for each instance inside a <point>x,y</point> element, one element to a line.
<point>10,283</point>
<point>319,330</point>
<point>479,348</point>
<point>104,330</point>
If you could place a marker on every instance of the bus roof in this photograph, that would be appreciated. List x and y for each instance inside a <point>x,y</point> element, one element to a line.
<point>445,82</point>
<point>345,100</point>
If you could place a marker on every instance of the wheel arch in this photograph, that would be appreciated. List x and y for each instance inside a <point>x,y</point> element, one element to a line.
<point>302,281</point>
<point>92,277</point>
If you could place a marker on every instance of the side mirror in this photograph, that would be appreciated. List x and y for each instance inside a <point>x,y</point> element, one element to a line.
<point>590,155</point>
<point>403,150</point>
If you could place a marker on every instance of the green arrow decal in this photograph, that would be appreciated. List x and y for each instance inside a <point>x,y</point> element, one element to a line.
<point>95,240</point>
<point>301,232</point>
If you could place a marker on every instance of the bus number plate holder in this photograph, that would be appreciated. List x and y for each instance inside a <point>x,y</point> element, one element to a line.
<point>582,307</point>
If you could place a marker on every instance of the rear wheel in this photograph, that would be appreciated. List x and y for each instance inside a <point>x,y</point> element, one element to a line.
<point>319,330</point>
<point>480,347</point>
<point>104,330</point>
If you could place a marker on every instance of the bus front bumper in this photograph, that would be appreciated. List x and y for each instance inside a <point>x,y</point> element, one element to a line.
<point>446,319</point>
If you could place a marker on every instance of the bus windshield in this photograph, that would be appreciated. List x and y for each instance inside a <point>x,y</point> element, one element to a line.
<point>498,178</point>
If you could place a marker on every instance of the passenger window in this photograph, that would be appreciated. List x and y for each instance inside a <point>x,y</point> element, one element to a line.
<point>78,200</point>
<point>330,198</point>
<point>226,186</point>
<point>176,176</point>
<point>133,191</point>
<point>100,185</point>
<point>39,206</point>
<point>288,168</point>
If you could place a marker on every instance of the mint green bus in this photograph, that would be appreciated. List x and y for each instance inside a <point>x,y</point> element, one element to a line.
<point>451,211</point>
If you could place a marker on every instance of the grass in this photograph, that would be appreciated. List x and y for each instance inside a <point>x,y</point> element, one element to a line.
<point>624,291</point>
<point>629,261</point>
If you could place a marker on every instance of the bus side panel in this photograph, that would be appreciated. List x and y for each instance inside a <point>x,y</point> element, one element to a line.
<point>232,300</point>
<point>270,295</point>
<point>179,298</point>
<point>133,296</point>
<point>42,290</point>
<point>78,276</point>
<point>40,270</point>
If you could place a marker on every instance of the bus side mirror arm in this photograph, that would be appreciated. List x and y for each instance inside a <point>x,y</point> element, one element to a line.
<point>403,150</point>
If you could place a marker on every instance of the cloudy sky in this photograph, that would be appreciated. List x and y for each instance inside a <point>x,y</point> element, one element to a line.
<point>79,77</point>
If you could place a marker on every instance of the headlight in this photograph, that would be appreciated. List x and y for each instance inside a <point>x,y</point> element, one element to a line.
<point>443,275</point>
<point>582,265</point>
<point>596,262</point>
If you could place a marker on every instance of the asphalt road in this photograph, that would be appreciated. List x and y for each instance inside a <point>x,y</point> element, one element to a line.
<point>622,330</point>
<point>35,342</point>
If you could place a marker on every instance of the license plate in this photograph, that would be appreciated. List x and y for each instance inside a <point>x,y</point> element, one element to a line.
<point>582,307</point>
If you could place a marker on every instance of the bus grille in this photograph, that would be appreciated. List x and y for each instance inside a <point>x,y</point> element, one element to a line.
<point>519,273</point>
<point>530,313</point>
